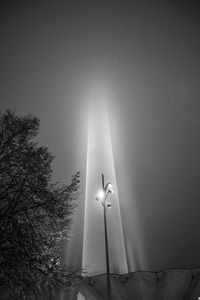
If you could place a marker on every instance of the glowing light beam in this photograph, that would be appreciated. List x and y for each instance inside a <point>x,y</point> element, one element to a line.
<point>100,161</point>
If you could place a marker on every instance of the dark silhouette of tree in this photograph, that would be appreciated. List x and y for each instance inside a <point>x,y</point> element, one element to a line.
<point>35,214</point>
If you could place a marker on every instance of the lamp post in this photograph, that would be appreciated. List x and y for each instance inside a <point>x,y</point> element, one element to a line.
<point>102,197</point>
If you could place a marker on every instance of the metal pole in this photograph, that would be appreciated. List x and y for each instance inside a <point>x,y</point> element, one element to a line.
<point>102,177</point>
<point>50,292</point>
<point>107,256</point>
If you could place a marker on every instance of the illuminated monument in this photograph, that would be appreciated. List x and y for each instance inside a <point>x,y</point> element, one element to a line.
<point>100,161</point>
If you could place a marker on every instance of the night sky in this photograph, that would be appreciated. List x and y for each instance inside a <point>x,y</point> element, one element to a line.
<point>146,57</point>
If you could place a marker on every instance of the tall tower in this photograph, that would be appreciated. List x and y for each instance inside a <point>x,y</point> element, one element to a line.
<point>100,160</point>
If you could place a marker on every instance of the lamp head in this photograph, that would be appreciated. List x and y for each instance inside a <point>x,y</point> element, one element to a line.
<point>109,205</point>
<point>109,188</point>
<point>100,195</point>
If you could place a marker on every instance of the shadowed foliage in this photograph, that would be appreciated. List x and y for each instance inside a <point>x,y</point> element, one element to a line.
<point>35,214</point>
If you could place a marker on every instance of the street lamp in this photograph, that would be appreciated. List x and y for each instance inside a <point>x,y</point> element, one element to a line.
<point>102,197</point>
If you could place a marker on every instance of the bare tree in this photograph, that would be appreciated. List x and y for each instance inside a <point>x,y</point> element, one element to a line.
<point>35,214</point>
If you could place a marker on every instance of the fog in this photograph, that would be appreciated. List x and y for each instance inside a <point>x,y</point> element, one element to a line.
<point>145,55</point>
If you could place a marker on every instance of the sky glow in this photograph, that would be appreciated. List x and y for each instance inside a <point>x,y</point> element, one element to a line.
<point>147,55</point>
